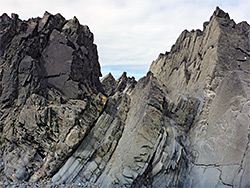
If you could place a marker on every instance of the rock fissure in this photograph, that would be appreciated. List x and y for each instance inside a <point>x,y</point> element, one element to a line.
<point>185,124</point>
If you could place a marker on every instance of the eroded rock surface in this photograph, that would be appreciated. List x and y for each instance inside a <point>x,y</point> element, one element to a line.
<point>185,124</point>
<point>50,93</point>
<point>213,66</point>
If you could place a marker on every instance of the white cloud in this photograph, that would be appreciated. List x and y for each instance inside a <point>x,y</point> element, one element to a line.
<point>131,33</point>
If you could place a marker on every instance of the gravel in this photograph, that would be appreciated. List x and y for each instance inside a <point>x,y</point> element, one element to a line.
<point>46,184</point>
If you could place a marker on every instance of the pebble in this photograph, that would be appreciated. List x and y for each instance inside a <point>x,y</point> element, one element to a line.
<point>46,184</point>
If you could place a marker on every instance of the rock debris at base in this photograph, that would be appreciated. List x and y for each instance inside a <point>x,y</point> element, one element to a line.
<point>46,184</point>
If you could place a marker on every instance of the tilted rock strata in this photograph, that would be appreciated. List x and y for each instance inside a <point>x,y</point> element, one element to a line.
<point>46,66</point>
<point>152,139</point>
<point>136,140</point>
<point>213,66</point>
<point>45,134</point>
<point>185,124</point>
<point>123,84</point>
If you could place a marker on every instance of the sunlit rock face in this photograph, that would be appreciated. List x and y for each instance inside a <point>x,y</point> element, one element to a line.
<point>213,66</point>
<point>185,124</point>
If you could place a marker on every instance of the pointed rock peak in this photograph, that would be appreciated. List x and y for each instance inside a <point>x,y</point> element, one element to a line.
<point>59,15</point>
<point>149,78</point>
<point>75,20</point>
<point>50,21</point>
<point>244,28</point>
<point>150,74</point>
<point>46,14</point>
<point>221,17</point>
<point>14,16</point>
<point>109,84</point>
<point>109,76</point>
<point>221,14</point>
<point>123,76</point>
<point>183,35</point>
<point>133,78</point>
<point>72,23</point>
<point>4,17</point>
<point>45,18</point>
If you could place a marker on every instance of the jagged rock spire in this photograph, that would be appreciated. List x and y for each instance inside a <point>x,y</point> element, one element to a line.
<point>185,124</point>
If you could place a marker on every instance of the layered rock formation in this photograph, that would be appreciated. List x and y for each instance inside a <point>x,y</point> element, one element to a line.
<point>213,66</point>
<point>50,93</point>
<point>185,124</point>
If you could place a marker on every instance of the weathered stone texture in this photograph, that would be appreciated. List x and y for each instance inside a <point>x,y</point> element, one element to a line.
<point>185,124</point>
<point>213,66</point>
<point>49,85</point>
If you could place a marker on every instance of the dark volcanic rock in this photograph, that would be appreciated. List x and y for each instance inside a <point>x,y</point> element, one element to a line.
<point>43,53</point>
<point>125,84</point>
<point>109,84</point>
<point>185,124</point>
<point>122,84</point>
<point>47,65</point>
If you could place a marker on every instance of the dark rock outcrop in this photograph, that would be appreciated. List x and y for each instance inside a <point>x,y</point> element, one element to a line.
<point>185,124</point>
<point>109,84</point>
<point>43,53</point>
<point>49,85</point>
<point>123,84</point>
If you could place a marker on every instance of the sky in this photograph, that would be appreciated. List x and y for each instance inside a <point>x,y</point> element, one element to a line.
<point>130,34</point>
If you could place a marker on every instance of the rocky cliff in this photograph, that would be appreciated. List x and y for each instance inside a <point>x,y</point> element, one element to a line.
<point>213,66</point>
<point>185,124</point>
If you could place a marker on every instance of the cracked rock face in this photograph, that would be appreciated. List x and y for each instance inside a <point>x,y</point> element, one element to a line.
<point>184,124</point>
<point>48,52</point>
<point>213,66</point>
<point>49,85</point>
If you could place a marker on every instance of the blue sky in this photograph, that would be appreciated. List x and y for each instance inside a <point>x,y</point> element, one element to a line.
<point>130,34</point>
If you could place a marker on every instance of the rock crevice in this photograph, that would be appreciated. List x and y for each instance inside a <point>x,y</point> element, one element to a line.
<point>184,124</point>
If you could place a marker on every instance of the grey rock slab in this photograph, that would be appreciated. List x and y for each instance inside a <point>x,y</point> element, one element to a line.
<point>205,177</point>
<point>185,124</point>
